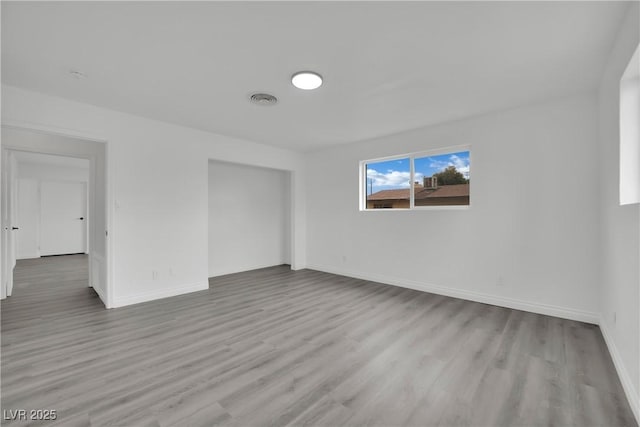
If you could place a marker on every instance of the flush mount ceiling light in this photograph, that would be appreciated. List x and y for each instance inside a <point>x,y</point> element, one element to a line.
<point>263,99</point>
<point>306,80</point>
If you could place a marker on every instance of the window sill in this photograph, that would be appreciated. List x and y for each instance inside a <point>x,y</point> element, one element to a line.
<point>422,208</point>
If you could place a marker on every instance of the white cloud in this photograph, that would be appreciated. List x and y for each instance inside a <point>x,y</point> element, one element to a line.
<point>438,164</point>
<point>400,179</point>
<point>461,164</point>
<point>391,178</point>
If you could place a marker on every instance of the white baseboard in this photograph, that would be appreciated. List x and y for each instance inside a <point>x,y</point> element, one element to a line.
<point>165,293</point>
<point>28,255</point>
<point>245,269</point>
<point>547,309</point>
<point>632,394</point>
<point>566,313</point>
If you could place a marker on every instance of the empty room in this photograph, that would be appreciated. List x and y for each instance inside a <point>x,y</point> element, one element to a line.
<point>320,213</point>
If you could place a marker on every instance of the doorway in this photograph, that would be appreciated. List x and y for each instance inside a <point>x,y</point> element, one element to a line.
<point>53,214</point>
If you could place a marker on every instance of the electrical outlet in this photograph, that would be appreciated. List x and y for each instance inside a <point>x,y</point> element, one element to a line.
<point>500,281</point>
<point>344,258</point>
<point>154,275</point>
<point>615,317</point>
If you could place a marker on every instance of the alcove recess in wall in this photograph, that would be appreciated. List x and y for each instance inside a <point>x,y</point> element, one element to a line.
<point>249,218</point>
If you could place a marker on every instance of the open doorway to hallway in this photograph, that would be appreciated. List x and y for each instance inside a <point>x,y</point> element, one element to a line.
<point>51,240</point>
<point>48,286</point>
<point>54,234</point>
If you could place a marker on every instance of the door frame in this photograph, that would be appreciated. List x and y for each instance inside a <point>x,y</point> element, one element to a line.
<point>107,298</point>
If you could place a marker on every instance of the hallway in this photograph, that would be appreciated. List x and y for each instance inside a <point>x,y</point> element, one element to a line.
<point>44,287</point>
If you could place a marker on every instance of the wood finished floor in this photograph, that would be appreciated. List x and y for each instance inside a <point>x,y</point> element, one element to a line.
<point>274,347</point>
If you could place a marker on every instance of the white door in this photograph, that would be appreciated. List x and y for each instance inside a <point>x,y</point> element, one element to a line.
<point>9,226</point>
<point>63,218</point>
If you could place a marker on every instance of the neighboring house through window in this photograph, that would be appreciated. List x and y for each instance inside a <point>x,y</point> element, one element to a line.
<point>436,178</point>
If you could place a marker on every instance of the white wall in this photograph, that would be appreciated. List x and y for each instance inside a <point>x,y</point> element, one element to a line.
<point>248,218</point>
<point>44,172</point>
<point>532,222</point>
<point>157,179</point>
<point>620,227</point>
<point>30,177</point>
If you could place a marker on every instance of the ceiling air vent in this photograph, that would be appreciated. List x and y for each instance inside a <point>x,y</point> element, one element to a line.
<point>263,99</point>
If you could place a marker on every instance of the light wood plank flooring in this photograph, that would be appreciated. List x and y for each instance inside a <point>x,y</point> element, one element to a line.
<point>274,347</point>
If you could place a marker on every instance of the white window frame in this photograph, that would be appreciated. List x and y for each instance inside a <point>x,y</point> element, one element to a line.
<point>411,156</point>
<point>629,144</point>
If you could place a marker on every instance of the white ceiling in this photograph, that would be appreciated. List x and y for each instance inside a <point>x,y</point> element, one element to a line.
<point>48,159</point>
<point>388,66</point>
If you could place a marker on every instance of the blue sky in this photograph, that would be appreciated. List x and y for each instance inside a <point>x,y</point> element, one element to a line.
<point>391,174</point>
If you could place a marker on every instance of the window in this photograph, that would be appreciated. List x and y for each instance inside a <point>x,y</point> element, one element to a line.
<point>630,132</point>
<point>419,180</point>
<point>388,184</point>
